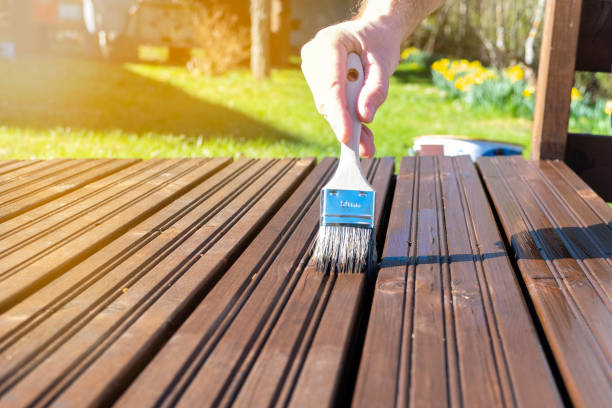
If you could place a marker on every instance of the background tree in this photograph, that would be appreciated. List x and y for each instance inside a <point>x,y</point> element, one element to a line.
<point>260,38</point>
<point>496,32</point>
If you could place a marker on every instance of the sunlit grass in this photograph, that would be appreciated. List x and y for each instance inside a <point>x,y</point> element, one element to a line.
<point>73,108</point>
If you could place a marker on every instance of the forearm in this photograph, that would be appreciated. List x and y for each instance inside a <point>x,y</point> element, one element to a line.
<point>402,17</point>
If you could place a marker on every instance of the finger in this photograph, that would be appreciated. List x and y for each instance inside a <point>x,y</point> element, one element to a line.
<point>327,81</point>
<point>329,89</point>
<point>366,143</point>
<point>374,91</point>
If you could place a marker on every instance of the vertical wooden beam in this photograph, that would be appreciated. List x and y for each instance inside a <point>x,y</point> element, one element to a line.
<point>260,38</point>
<point>555,79</point>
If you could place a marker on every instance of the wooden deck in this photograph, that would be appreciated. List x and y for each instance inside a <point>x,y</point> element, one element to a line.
<point>560,231</point>
<point>188,282</point>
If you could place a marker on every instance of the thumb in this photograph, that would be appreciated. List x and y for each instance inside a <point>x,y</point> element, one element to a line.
<point>328,85</point>
<point>374,91</point>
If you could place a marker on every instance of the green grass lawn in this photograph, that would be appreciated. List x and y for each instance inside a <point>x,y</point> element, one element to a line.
<point>53,107</point>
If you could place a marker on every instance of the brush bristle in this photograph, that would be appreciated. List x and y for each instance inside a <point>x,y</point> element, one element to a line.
<point>345,249</point>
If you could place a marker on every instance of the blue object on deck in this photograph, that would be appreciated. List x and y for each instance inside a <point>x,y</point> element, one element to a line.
<point>457,146</point>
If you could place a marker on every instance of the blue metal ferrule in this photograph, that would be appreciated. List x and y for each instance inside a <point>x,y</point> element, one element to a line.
<point>347,207</point>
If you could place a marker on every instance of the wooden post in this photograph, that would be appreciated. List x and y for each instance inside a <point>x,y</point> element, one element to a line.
<point>260,38</point>
<point>555,79</point>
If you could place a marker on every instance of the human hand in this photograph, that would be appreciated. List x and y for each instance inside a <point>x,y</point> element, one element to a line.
<point>324,67</point>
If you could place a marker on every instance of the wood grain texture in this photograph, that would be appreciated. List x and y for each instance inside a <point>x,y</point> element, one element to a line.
<point>81,338</point>
<point>21,195</point>
<point>272,331</point>
<point>555,78</point>
<point>33,256</point>
<point>595,202</point>
<point>28,170</point>
<point>448,325</point>
<point>10,166</point>
<point>562,238</point>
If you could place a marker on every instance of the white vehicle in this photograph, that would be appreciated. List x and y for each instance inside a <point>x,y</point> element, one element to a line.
<point>119,26</point>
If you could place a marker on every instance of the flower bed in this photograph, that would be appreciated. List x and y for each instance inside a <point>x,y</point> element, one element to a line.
<point>506,90</point>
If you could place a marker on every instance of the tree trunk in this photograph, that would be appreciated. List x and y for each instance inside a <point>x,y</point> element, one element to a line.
<point>260,38</point>
<point>464,19</point>
<point>441,19</point>
<point>533,32</point>
<point>499,26</point>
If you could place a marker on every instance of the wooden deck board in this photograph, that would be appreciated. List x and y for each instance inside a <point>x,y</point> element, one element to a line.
<point>39,172</point>
<point>448,325</point>
<point>23,198</point>
<point>326,352</point>
<point>130,291</point>
<point>9,166</point>
<point>28,169</point>
<point>267,322</point>
<point>561,235</point>
<point>35,256</point>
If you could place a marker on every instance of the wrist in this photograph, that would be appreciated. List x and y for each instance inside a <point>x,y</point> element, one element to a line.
<point>403,16</point>
<point>391,27</point>
<point>399,17</point>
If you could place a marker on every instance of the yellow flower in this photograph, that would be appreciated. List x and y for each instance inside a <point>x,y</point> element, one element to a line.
<point>409,51</point>
<point>465,72</point>
<point>514,73</point>
<point>576,96</point>
<point>463,84</point>
<point>480,76</point>
<point>440,65</point>
<point>413,66</point>
<point>527,92</point>
<point>608,108</point>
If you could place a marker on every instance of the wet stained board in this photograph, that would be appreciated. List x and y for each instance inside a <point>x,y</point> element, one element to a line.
<point>273,331</point>
<point>561,232</point>
<point>448,325</point>
<point>189,282</point>
<point>76,339</point>
<point>38,245</point>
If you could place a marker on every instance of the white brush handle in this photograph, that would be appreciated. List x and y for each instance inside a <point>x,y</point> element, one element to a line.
<point>349,175</point>
<point>354,83</point>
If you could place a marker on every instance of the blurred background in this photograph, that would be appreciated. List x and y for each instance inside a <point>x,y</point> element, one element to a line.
<point>168,78</point>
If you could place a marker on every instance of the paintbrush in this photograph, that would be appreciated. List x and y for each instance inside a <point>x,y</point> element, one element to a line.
<point>345,242</point>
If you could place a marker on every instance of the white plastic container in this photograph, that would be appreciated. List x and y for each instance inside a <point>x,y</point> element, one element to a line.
<point>457,146</point>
